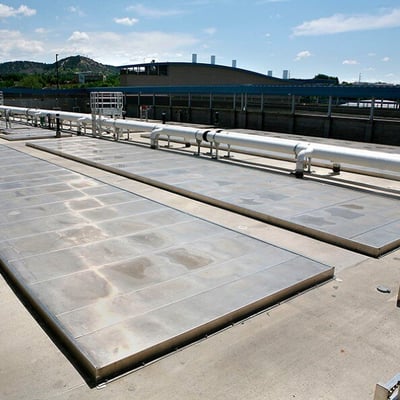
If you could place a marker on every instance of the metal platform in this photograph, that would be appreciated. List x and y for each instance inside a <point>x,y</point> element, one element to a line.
<point>121,279</point>
<point>358,220</point>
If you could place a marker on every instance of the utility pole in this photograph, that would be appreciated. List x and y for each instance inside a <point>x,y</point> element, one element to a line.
<point>57,78</point>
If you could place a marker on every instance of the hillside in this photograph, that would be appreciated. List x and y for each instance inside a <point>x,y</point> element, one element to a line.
<point>66,65</point>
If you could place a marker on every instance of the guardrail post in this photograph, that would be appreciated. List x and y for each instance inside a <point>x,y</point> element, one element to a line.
<point>58,126</point>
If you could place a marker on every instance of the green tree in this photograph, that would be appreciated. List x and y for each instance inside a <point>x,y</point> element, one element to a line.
<point>334,79</point>
<point>31,81</point>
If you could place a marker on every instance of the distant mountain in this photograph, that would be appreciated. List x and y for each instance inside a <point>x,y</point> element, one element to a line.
<point>66,65</point>
<point>23,67</point>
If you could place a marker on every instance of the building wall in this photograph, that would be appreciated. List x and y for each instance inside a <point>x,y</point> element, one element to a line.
<point>192,74</point>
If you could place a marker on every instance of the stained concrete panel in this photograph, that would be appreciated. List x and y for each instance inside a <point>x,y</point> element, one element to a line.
<point>358,220</point>
<point>121,279</point>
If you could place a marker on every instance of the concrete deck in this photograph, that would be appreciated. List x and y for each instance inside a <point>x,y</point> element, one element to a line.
<point>355,219</point>
<point>333,342</point>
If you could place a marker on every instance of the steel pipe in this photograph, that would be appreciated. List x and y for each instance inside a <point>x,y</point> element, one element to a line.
<point>335,154</point>
<point>301,150</point>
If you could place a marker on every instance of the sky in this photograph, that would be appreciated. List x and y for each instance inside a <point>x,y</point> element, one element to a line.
<point>354,40</point>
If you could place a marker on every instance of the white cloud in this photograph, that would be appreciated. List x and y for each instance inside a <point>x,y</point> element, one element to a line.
<point>41,31</point>
<point>25,11</point>
<point>126,21</point>
<point>302,55</point>
<point>76,10</point>
<point>13,45</point>
<point>78,37</point>
<point>386,59</point>
<point>391,76</point>
<point>7,11</point>
<point>210,31</point>
<point>129,48</point>
<point>350,62</point>
<point>148,12</point>
<point>340,23</point>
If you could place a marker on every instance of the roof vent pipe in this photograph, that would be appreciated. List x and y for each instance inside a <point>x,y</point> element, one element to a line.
<point>212,60</point>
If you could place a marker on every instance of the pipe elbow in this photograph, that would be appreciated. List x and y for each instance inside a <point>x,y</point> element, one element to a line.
<point>301,156</point>
<point>305,153</point>
<point>154,136</point>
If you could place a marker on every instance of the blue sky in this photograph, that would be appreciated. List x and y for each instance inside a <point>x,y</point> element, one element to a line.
<point>353,39</point>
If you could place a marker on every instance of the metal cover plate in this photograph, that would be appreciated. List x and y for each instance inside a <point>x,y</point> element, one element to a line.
<point>357,220</point>
<point>122,279</point>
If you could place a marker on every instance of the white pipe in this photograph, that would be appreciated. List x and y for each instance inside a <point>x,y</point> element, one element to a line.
<point>43,112</point>
<point>302,156</point>
<point>335,154</point>
<point>301,150</point>
<point>175,130</point>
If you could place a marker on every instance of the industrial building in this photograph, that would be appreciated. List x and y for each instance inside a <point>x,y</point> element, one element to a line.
<point>185,74</point>
<point>152,260</point>
<point>233,98</point>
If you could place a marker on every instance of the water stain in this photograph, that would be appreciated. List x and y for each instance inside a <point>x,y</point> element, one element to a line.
<point>250,202</point>
<point>81,235</point>
<point>83,204</point>
<point>343,213</point>
<point>151,239</point>
<point>224,183</point>
<point>316,221</point>
<point>189,260</point>
<point>353,206</point>
<point>273,196</point>
<point>135,268</point>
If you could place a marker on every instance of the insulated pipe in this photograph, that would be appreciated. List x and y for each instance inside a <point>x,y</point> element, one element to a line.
<point>82,120</point>
<point>366,158</point>
<point>302,156</point>
<point>176,130</point>
<point>335,154</point>
<point>252,141</point>
<point>71,116</point>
